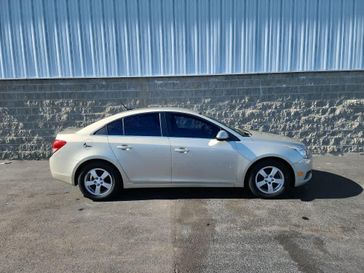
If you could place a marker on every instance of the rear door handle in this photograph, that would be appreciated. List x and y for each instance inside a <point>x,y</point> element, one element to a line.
<point>124,147</point>
<point>182,150</point>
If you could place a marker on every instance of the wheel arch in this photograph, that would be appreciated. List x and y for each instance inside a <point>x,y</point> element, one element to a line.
<point>86,162</point>
<point>283,161</point>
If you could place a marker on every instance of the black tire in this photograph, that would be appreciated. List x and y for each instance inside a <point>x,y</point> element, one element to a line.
<point>266,165</point>
<point>116,185</point>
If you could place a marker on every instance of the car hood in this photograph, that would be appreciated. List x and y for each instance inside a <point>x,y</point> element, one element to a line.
<point>272,138</point>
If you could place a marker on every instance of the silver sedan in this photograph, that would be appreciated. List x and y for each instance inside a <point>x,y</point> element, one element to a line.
<point>172,147</point>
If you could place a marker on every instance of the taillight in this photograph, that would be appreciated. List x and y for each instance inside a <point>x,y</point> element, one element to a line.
<point>57,144</point>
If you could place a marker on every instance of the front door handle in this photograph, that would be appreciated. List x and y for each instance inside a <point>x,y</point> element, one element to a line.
<point>124,147</point>
<point>182,150</point>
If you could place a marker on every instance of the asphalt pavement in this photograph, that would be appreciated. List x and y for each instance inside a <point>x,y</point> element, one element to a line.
<point>48,226</point>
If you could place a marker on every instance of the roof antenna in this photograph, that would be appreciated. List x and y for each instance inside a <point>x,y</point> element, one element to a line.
<point>127,108</point>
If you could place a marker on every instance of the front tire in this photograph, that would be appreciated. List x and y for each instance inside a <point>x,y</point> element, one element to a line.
<point>269,178</point>
<point>99,181</point>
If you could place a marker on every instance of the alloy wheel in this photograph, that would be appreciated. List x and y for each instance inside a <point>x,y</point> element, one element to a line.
<point>98,182</point>
<point>269,180</point>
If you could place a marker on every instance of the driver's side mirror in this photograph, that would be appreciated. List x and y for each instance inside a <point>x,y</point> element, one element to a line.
<point>222,135</point>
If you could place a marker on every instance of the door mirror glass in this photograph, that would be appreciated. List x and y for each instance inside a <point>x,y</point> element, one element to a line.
<point>222,135</point>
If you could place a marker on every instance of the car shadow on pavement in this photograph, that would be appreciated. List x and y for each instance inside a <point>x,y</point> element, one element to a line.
<point>326,185</point>
<point>323,185</point>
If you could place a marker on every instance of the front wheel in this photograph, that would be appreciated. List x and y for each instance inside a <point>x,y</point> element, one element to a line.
<point>99,181</point>
<point>269,179</point>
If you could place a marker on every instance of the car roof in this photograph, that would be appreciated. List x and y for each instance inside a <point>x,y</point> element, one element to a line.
<point>98,124</point>
<point>157,109</point>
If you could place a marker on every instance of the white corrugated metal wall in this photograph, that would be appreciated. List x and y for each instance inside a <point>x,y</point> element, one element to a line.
<point>97,38</point>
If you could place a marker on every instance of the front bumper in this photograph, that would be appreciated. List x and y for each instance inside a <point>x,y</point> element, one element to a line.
<point>303,171</point>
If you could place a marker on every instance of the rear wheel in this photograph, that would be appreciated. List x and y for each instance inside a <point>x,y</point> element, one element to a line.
<point>269,178</point>
<point>99,181</point>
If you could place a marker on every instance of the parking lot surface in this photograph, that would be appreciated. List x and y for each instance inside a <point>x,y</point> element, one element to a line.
<point>48,226</point>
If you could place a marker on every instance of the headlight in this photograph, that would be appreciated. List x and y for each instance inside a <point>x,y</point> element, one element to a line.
<point>303,151</point>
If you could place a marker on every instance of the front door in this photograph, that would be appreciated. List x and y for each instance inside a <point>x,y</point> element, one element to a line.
<point>142,151</point>
<point>197,157</point>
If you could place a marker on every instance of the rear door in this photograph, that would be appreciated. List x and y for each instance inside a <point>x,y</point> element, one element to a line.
<point>141,148</point>
<point>197,157</point>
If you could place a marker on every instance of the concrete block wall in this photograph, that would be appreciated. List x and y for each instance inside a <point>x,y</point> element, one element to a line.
<point>323,109</point>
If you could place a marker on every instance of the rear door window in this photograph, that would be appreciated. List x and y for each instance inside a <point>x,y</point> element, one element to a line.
<point>102,131</point>
<point>142,125</point>
<point>115,128</point>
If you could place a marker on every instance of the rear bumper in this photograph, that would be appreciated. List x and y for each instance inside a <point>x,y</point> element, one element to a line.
<point>303,171</point>
<point>56,174</point>
<point>62,177</point>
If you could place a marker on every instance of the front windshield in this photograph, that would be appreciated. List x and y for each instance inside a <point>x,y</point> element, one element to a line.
<point>241,131</point>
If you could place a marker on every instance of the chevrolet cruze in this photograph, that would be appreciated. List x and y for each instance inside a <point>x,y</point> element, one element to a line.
<point>172,147</point>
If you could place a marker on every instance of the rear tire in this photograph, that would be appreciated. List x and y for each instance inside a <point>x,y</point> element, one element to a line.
<point>269,178</point>
<point>99,181</point>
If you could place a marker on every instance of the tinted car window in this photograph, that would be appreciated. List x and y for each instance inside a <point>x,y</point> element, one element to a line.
<point>115,128</point>
<point>181,125</point>
<point>102,131</point>
<point>142,125</point>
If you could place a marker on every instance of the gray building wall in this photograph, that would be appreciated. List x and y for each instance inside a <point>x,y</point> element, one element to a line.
<point>98,38</point>
<point>325,110</point>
